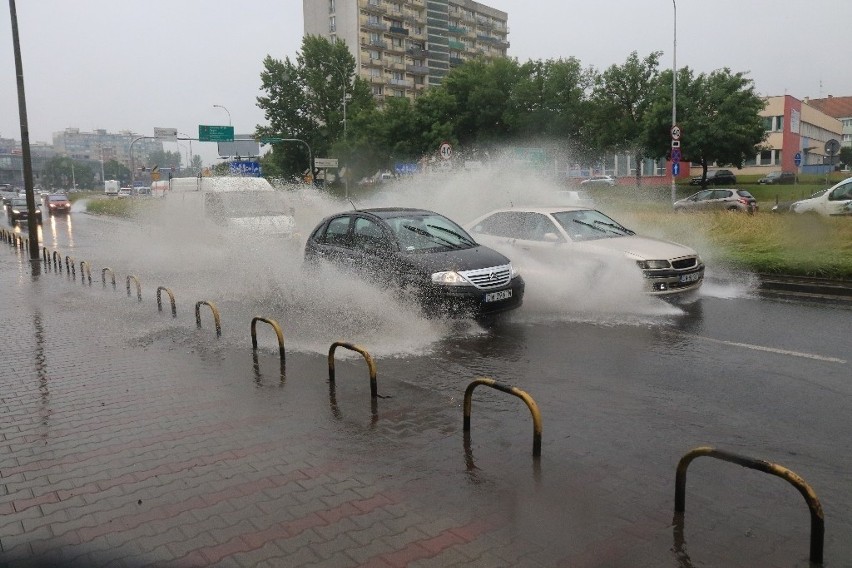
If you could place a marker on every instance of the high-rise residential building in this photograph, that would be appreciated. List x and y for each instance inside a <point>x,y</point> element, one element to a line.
<point>103,145</point>
<point>402,46</point>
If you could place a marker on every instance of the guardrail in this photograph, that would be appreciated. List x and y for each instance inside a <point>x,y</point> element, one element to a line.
<point>171,299</point>
<point>278,333</point>
<point>138,287</point>
<point>371,365</point>
<point>103,276</point>
<point>817,518</point>
<point>528,400</point>
<point>213,309</point>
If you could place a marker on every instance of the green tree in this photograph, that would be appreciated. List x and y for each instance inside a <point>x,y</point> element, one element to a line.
<point>61,172</point>
<point>164,159</point>
<point>305,100</point>
<point>718,114</point>
<point>620,100</point>
<point>846,155</point>
<point>113,169</point>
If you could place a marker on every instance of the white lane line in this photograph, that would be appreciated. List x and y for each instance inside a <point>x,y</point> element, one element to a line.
<point>774,350</point>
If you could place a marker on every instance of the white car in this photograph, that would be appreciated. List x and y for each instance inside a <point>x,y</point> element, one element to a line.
<point>578,236</point>
<point>833,201</point>
<point>596,181</point>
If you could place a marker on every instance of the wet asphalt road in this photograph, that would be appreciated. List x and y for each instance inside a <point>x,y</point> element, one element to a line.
<point>627,396</point>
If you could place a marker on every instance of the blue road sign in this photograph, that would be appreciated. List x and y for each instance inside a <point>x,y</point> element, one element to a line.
<point>676,155</point>
<point>797,159</point>
<point>675,169</point>
<point>245,168</point>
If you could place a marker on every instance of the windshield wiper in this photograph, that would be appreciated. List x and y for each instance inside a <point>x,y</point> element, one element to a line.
<point>453,233</point>
<point>589,225</point>
<point>425,233</point>
<point>617,227</point>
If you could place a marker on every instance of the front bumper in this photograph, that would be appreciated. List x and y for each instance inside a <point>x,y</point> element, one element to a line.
<point>470,301</point>
<point>669,282</point>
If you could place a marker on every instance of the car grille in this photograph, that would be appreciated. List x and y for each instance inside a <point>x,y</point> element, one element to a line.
<point>682,263</point>
<point>488,278</point>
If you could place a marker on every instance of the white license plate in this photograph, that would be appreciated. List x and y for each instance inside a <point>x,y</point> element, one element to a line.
<point>690,277</point>
<point>497,296</point>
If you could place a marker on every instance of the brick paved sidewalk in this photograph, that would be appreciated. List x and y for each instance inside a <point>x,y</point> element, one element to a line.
<point>179,450</point>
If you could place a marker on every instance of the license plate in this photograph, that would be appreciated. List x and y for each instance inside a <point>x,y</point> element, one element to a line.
<point>695,276</point>
<point>497,296</point>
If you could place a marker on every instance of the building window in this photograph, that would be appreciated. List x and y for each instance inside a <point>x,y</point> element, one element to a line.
<point>779,123</point>
<point>375,72</point>
<point>375,55</point>
<point>765,158</point>
<point>398,93</point>
<point>777,156</point>
<point>767,123</point>
<point>378,90</point>
<point>373,19</point>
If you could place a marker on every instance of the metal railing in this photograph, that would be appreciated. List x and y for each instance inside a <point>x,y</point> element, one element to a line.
<point>103,276</point>
<point>528,400</point>
<point>160,289</point>
<point>371,365</point>
<point>278,333</point>
<point>213,309</point>
<point>138,287</point>
<point>85,270</point>
<point>817,518</point>
<point>69,266</point>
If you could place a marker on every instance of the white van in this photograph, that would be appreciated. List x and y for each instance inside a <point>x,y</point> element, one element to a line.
<point>833,201</point>
<point>242,205</point>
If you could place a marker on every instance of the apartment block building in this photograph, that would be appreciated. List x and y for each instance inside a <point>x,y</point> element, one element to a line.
<point>403,46</point>
<point>839,108</point>
<point>102,145</point>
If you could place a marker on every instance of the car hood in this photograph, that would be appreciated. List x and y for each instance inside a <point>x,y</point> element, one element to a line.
<point>641,248</point>
<point>460,259</point>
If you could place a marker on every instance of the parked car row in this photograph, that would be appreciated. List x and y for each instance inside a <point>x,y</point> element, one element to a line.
<point>427,255</point>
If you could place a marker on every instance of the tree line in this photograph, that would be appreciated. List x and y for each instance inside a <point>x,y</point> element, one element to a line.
<point>556,104</point>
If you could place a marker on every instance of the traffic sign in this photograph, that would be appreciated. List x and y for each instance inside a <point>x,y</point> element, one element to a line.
<point>215,133</point>
<point>676,155</point>
<point>245,168</point>
<point>797,159</point>
<point>165,133</point>
<point>675,169</point>
<point>676,132</point>
<point>446,150</point>
<point>325,162</point>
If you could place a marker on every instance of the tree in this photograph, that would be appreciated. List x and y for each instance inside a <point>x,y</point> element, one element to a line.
<point>63,172</point>
<point>620,101</point>
<point>305,100</point>
<point>846,155</point>
<point>113,169</point>
<point>718,114</point>
<point>164,159</point>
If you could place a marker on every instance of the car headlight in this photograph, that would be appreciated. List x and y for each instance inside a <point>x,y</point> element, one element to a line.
<point>513,270</point>
<point>652,264</point>
<point>15,211</point>
<point>449,278</point>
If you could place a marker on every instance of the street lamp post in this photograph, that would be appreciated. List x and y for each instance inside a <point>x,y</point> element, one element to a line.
<point>190,150</point>
<point>344,81</point>
<point>226,110</point>
<point>674,89</point>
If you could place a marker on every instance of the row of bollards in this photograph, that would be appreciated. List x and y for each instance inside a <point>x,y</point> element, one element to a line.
<point>816,512</point>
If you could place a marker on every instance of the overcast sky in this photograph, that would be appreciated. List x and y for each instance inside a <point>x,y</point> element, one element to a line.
<point>137,64</point>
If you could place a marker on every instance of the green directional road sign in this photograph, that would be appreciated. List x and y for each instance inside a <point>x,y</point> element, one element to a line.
<point>215,133</point>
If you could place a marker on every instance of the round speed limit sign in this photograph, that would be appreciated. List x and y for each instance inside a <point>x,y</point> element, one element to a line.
<point>446,150</point>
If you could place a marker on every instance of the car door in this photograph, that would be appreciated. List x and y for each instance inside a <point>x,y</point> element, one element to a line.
<point>335,243</point>
<point>835,203</point>
<point>720,199</point>
<point>373,249</point>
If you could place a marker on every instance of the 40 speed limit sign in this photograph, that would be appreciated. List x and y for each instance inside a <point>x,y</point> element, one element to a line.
<point>446,150</point>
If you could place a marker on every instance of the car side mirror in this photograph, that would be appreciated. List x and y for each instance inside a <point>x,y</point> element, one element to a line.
<point>477,229</point>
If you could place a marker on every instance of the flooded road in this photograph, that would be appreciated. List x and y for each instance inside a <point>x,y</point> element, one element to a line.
<point>625,386</point>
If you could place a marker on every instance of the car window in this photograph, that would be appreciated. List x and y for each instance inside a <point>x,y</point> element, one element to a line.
<point>419,231</point>
<point>367,234</point>
<point>702,195</point>
<point>57,198</point>
<point>337,231</point>
<point>722,194</point>
<point>841,193</point>
<point>744,193</point>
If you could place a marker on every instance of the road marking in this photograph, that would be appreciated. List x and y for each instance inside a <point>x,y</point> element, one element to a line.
<point>774,350</point>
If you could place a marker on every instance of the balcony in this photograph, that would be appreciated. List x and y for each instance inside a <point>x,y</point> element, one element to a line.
<point>398,31</point>
<point>373,7</point>
<point>456,45</point>
<point>395,66</point>
<point>457,30</point>
<point>401,83</point>
<point>417,52</point>
<point>375,43</point>
<point>456,61</point>
<point>395,48</point>
<point>374,26</point>
<point>417,69</point>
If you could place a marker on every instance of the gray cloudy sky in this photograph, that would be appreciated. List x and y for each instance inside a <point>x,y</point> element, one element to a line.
<point>137,64</point>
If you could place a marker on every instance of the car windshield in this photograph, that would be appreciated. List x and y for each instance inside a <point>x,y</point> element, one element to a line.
<point>589,224</point>
<point>19,202</point>
<point>428,231</point>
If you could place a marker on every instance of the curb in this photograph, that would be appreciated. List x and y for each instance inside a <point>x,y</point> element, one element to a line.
<point>822,289</point>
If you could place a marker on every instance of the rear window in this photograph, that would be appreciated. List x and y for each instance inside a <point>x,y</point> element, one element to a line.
<point>743,193</point>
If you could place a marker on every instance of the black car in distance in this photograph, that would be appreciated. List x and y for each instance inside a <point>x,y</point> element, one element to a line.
<point>423,252</point>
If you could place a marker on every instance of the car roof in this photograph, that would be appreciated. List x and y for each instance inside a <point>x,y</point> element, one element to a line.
<point>546,210</point>
<point>389,212</point>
